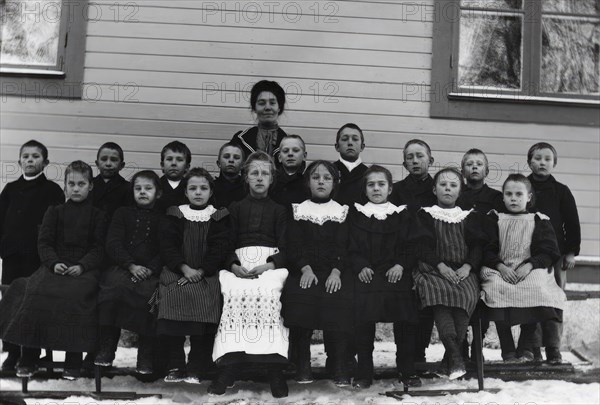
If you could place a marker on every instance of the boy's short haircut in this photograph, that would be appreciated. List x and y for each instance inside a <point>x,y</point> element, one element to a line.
<point>449,170</point>
<point>293,136</point>
<point>199,172</point>
<point>416,142</point>
<point>35,144</point>
<point>80,167</point>
<point>177,147</point>
<point>112,146</point>
<point>541,145</point>
<point>233,145</point>
<point>149,175</point>
<point>474,151</point>
<point>520,178</point>
<point>351,126</point>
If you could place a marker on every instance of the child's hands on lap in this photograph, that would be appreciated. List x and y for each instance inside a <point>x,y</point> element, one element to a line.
<point>191,275</point>
<point>448,273</point>
<point>394,274</point>
<point>139,273</point>
<point>507,274</point>
<point>464,271</point>
<point>74,271</point>
<point>240,271</point>
<point>523,271</point>
<point>308,277</point>
<point>60,268</point>
<point>569,261</point>
<point>366,275</point>
<point>258,270</point>
<point>333,282</point>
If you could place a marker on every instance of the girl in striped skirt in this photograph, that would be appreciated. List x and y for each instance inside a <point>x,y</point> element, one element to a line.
<point>446,275</point>
<point>518,284</point>
<point>194,245</point>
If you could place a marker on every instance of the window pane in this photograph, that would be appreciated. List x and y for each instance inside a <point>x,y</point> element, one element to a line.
<point>591,7</point>
<point>570,56</point>
<point>30,32</point>
<point>490,51</point>
<point>495,4</point>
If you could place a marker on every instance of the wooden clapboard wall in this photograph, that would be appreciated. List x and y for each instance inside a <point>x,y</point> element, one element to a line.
<point>162,70</point>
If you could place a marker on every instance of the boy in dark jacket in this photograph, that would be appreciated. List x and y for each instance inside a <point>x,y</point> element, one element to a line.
<point>23,204</point>
<point>349,143</point>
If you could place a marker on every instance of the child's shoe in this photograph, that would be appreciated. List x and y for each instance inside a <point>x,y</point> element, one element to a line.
<point>176,375</point>
<point>71,374</point>
<point>279,388</point>
<point>361,384</point>
<point>225,379</point>
<point>145,356</point>
<point>342,381</point>
<point>304,373</point>
<point>553,355</point>
<point>526,356</point>
<point>510,357</point>
<point>537,355</point>
<point>26,370</point>
<point>412,380</point>
<point>28,363</point>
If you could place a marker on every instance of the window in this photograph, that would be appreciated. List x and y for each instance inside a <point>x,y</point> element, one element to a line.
<point>42,47</point>
<point>517,60</point>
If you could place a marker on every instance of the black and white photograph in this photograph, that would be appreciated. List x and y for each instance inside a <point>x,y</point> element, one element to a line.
<point>307,202</point>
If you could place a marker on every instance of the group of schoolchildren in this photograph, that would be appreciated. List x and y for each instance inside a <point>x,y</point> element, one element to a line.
<point>272,250</point>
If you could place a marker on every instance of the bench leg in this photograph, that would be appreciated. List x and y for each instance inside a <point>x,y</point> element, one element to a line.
<point>24,382</point>
<point>478,346</point>
<point>98,378</point>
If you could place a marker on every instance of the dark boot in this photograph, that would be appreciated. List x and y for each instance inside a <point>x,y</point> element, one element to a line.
<point>456,365</point>
<point>225,379</point>
<point>279,388</point>
<point>301,342</point>
<point>14,352</point>
<point>28,363</point>
<point>145,355</point>
<point>73,364</point>
<point>109,339</point>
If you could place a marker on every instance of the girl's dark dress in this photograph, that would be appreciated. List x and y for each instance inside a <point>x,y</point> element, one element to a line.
<point>379,244</point>
<point>54,311</point>
<point>133,238</point>
<point>318,237</point>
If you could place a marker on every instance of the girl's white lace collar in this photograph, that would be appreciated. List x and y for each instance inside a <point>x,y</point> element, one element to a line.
<point>379,211</point>
<point>450,215</point>
<point>320,213</point>
<point>197,215</point>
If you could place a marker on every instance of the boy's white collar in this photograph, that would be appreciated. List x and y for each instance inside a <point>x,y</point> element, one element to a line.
<point>29,178</point>
<point>351,165</point>
<point>320,213</point>
<point>379,211</point>
<point>174,183</point>
<point>450,215</point>
<point>197,215</point>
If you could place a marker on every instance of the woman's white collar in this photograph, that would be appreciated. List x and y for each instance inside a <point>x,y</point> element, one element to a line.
<point>379,211</point>
<point>320,213</point>
<point>197,215</point>
<point>450,215</point>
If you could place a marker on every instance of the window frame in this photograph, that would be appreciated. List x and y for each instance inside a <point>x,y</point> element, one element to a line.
<point>65,79</point>
<point>448,101</point>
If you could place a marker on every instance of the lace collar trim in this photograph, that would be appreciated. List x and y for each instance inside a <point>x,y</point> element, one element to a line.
<point>197,215</point>
<point>320,213</point>
<point>379,211</point>
<point>450,215</point>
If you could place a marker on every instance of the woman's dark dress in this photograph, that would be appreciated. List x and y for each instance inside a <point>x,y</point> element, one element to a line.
<point>133,238</point>
<point>54,311</point>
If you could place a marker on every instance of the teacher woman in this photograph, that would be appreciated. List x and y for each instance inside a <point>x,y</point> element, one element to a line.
<point>267,101</point>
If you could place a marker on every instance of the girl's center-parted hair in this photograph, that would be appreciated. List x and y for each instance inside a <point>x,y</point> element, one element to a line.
<point>270,86</point>
<point>259,156</point>
<point>520,178</point>
<point>148,175</point>
<point>199,172</point>
<point>80,166</point>
<point>449,170</point>
<point>330,167</point>
<point>376,169</point>
<point>539,146</point>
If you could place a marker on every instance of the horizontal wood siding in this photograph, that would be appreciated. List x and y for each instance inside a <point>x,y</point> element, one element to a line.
<point>157,71</point>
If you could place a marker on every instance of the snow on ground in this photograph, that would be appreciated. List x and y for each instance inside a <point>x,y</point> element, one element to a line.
<point>323,391</point>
